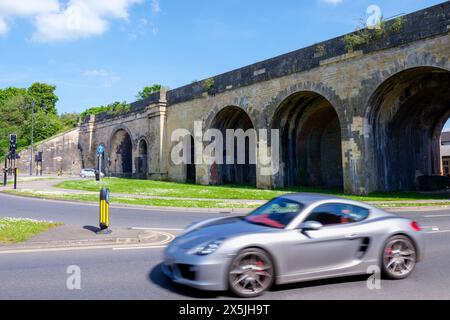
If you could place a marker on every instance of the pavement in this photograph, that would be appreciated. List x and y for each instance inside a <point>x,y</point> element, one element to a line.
<point>70,237</point>
<point>133,271</point>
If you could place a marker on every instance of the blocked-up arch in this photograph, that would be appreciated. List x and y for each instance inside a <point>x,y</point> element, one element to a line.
<point>310,146</point>
<point>406,114</point>
<point>121,153</point>
<point>232,171</point>
<point>142,159</point>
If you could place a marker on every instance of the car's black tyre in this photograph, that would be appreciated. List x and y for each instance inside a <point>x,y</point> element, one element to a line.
<point>398,258</point>
<point>251,273</point>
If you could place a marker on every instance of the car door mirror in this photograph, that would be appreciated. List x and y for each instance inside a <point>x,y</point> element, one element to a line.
<point>311,226</point>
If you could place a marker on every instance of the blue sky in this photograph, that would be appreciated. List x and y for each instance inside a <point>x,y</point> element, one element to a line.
<point>100,51</point>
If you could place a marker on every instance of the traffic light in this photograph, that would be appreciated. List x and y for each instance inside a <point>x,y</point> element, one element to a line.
<point>12,141</point>
<point>12,145</point>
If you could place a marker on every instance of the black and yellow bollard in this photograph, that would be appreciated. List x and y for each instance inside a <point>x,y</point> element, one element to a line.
<point>104,211</point>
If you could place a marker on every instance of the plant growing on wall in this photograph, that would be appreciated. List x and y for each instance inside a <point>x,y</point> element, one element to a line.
<point>209,85</point>
<point>364,36</point>
<point>398,24</point>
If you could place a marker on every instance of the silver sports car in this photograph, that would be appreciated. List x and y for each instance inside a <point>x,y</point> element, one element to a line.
<point>293,238</point>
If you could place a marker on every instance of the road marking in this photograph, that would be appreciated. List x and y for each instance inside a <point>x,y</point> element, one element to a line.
<point>438,216</point>
<point>433,228</point>
<point>168,237</point>
<point>441,231</point>
<point>162,229</point>
<point>139,248</point>
<point>53,249</point>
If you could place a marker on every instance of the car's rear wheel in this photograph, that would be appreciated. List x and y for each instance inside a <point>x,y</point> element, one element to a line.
<point>399,258</point>
<point>251,273</point>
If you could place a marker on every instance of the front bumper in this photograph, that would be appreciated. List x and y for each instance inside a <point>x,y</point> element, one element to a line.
<point>201,272</point>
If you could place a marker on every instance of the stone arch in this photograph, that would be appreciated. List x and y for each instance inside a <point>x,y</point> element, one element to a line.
<point>272,108</point>
<point>405,116</point>
<point>142,158</point>
<point>121,152</point>
<point>310,141</point>
<point>234,170</point>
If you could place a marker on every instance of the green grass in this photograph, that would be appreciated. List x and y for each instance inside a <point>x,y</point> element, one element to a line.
<point>180,190</point>
<point>216,204</point>
<point>138,201</point>
<point>20,230</point>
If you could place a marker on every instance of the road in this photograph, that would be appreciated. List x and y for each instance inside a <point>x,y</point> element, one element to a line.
<point>135,273</point>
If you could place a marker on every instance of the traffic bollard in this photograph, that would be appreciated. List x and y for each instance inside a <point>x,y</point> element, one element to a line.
<point>104,211</point>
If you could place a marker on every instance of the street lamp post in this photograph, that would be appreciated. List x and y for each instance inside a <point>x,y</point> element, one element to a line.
<point>32,132</point>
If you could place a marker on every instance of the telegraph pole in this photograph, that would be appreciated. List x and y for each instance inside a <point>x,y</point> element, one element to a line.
<point>32,132</point>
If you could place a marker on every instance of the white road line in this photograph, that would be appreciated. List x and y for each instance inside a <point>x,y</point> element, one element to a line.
<point>163,229</point>
<point>441,231</point>
<point>139,248</point>
<point>433,228</point>
<point>53,249</point>
<point>438,216</point>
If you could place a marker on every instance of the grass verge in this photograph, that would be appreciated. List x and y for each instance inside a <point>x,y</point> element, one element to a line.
<point>139,201</point>
<point>181,190</point>
<point>14,230</point>
<point>182,203</point>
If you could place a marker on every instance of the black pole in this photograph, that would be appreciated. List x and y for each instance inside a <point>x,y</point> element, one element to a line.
<point>32,133</point>
<point>5,173</point>
<point>15,178</point>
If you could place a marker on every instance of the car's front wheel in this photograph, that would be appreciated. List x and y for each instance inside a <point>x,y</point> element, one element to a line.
<point>251,273</point>
<point>399,258</point>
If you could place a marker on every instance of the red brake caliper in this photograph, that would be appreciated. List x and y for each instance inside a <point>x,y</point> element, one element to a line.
<point>388,252</point>
<point>259,264</point>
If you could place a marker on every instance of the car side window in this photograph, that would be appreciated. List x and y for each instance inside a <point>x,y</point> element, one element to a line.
<point>337,213</point>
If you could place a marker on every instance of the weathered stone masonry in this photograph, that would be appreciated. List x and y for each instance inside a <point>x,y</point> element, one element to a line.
<point>364,120</point>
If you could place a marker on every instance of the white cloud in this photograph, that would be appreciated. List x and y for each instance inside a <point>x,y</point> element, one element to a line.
<point>3,26</point>
<point>107,78</point>
<point>76,19</point>
<point>333,2</point>
<point>156,7</point>
<point>27,7</point>
<point>24,8</point>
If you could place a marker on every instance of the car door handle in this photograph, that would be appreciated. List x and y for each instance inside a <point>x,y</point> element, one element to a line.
<point>352,236</point>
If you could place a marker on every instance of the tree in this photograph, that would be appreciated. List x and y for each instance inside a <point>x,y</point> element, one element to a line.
<point>70,120</point>
<point>10,92</point>
<point>12,118</point>
<point>45,126</point>
<point>147,91</point>
<point>114,108</point>
<point>44,97</point>
<point>15,115</point>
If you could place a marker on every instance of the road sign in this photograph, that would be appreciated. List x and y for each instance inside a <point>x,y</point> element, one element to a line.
<point>101,149</point>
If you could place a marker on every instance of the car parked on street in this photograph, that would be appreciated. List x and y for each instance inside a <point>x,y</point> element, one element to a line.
<point>89,173</point>
<point>293,238</point>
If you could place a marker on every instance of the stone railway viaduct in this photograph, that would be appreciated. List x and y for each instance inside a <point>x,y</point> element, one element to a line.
<point>365,119</point>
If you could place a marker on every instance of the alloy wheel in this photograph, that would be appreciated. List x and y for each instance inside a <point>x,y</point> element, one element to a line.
<point>399,257</point>
<point>251,273</point>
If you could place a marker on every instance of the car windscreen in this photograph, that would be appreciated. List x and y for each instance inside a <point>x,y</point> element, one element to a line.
<point>277,213</point>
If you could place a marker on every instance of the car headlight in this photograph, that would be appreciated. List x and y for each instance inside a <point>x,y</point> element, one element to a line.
<point>209,247</point>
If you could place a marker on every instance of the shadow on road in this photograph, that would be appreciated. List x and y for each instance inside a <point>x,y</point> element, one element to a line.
<point>92,229</point>
<point>159,278</point>
<point>320,283</point>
